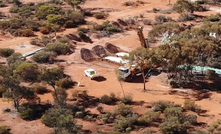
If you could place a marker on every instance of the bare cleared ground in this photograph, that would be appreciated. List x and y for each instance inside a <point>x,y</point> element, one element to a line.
<point>74,66</point>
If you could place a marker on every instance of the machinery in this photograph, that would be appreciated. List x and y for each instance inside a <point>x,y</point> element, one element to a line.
<point>128,71</point>
<point>143,41</point>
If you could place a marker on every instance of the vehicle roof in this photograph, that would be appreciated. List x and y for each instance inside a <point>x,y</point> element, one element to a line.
<point>89,69</point>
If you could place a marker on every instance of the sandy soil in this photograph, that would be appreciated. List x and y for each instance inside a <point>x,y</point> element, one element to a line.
<point>74,66</point>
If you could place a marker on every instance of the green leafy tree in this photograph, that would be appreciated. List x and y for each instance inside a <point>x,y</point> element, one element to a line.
<point>27,71</point>
<point>51,76</point>
<point>13,89</point>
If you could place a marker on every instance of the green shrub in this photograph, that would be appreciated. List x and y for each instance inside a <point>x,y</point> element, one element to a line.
<point>58,47</point>
<point>162,105</point>
<point>57,19</point>
<point>173,126</point>
<point>108,118</point>
<point>123,109</point>
<point>149,117</point>
<point>14,9</point>
<point>4,130</point>
<point>192,118</point>
<point>146,22</point>
<point>39,88</point>
<point>52,116</point>
<point>65,83</point>
<point>189,105</point>
<point>125,124</point>
<point>45,10</point>
<point>211,129</point>
<point>127,99</point>
<point>173,112</point>
<point>64,40</point>
<point>99,15</point>
<point>6,52</point>
<point>106,99</point>
<point>69,24</point>
<point>27,32</point>
<point>44,56</point>
<point>113,29</point>
<point>161,18</point>
<point>45,30</point>
<point>214,17</point>
<point>186,17</point>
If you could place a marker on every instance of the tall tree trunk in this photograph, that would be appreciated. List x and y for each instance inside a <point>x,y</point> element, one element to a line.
<point>56,95</point>
<point>16,104</point>
<point>144,80</point>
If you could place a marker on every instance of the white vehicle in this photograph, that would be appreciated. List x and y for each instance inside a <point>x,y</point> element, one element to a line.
<point>91,73</point>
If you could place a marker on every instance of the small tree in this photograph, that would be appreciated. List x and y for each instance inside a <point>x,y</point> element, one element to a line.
<point>51,76</point>
<point>13,89</point>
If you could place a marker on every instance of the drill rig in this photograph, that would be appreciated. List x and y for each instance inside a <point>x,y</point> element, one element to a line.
<point>143,41</point>
<point>130,70</point>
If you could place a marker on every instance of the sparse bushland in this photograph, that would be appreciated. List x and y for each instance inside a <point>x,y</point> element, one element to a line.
<point>50,18</point>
